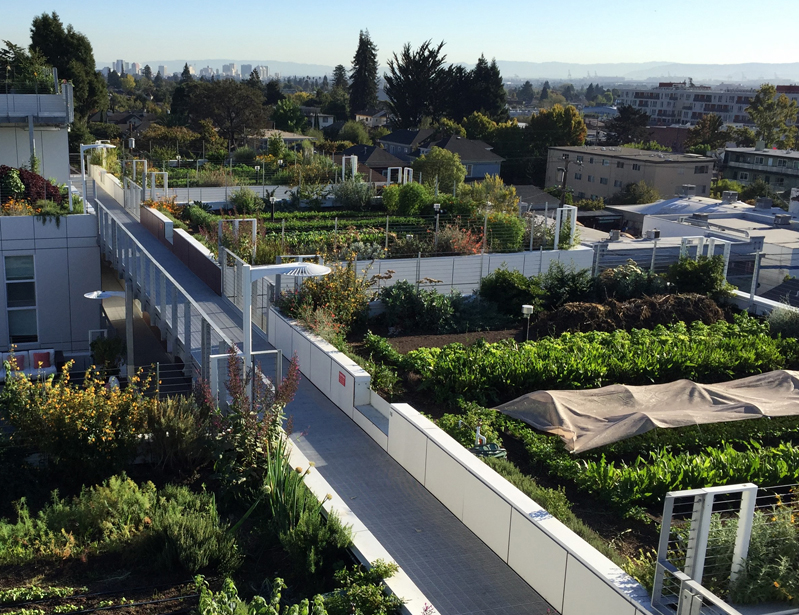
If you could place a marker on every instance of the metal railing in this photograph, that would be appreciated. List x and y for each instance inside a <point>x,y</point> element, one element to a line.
<point>190,333</point>
<point>705,540</point>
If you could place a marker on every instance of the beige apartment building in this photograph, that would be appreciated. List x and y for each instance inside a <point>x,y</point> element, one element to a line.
<point>596,171</point>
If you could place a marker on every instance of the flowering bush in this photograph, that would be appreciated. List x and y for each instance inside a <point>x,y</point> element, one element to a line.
<point>342,291</point>
<point>84,429</point>
<point>34,186</point>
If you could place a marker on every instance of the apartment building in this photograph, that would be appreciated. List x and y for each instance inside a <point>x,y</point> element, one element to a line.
<point>596,172</point>
<point>778,168</point>
<point>679,103</point>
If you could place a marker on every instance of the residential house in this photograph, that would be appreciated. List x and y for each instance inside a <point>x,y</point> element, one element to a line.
<point>475,155</point>
<point>403,143</point>
<point>317,119</point>
<point>376,158</point>
<point>368,175</point>
<point>37,124</point>
<point>778,168</point>
<point>372,117</point>
<point>604,171</point>
<point>130,123</point>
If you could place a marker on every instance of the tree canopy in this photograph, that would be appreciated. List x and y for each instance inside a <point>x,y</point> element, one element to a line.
<point>415,84</point>
<point>364,81</point>
<point>629,126</point>
<point>708,131</point>
<point>442,166</point>
<point>774,117</point>
<point>70,52</point>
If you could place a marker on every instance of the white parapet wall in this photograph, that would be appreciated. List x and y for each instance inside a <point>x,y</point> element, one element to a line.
<point>568,573</point>
<point>108,182</point>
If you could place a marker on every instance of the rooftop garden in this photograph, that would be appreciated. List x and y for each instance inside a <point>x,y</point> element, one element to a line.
<point>116,500</point>
<point>23,192</point>
<point>457,357</point>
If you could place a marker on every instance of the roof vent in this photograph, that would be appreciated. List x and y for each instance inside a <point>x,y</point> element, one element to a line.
<point>700,217</point>
<point>763,202</point>
<point>729,196</point>
<point>782,220</point>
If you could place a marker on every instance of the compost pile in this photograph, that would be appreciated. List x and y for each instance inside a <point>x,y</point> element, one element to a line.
<point>644,313</point>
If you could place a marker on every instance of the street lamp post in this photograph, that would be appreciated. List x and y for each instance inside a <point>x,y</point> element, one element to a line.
<point>83,149</point>
<point>437,207</point>
<point>128,294</point>
<point>257,171</point>
<point>250,275</point>
<point>527,310</point>
<point>272,200</point>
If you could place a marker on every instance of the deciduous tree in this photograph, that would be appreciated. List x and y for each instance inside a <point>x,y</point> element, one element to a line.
<point>441,166</point>
<point>774,117</point>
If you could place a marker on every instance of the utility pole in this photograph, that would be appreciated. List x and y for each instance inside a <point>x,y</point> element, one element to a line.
<point>565,171</point>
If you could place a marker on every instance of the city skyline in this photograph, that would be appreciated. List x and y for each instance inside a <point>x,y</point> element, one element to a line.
<point>324,34</point>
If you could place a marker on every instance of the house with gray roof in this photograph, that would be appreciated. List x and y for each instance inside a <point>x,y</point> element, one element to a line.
<point>475,155</point>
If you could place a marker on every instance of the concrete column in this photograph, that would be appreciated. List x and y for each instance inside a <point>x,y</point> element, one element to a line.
<point>187,370</point>
<point>205,350</point>
<point>162,306</point>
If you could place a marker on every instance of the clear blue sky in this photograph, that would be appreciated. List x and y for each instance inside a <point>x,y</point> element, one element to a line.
<point>326,32</point>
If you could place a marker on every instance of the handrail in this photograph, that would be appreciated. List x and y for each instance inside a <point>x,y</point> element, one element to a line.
<point>172,280</point>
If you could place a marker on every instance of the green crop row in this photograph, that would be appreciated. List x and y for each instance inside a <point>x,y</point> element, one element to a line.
<point>494,373</point>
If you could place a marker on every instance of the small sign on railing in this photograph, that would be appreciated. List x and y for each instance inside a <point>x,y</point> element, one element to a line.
<point>342,379</point>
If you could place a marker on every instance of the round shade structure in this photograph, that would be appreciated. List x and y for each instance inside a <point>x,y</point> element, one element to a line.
<point>299,270</point>
<point>104,294</point>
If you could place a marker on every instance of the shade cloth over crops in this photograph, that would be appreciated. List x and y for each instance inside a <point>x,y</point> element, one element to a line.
<point>596,417</point>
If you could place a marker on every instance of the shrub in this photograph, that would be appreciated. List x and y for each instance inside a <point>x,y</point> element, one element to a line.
<point>187,534</point>
<point>391,198</point>
<point>353,194</point>
<point>244,155</point>
<point>418,310</point>
<point>245,202</point>
<point>784,322</point>
<point>704,276</point>
<point>565,285</point>
<point>107,353</point>
<point>88,430</point>
<point>454,240</point>
<point>412,199</point>
<point>505,232</point>
<point>510,289</point>
<point>315,543</point>
<point>343,291</point>
<point>178,426</point>
<point>629,282</point>
<point>362,591</point>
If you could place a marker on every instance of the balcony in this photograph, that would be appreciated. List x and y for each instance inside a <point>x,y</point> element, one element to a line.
<point>53,109</point>
<point>763,168</point>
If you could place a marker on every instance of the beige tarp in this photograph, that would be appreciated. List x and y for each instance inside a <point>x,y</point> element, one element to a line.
<point>596,417</point>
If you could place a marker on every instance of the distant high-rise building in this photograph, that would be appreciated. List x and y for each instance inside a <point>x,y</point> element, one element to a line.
<point>162,70</point>
<point>135,68</point>
<point>246,69</point>
<point>229,70</point>
<point>263,72</point>
<point>119,66</point>
<point>207,72</point>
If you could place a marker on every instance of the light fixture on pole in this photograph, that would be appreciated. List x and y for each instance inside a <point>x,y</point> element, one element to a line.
<point>437,207</point>
<point>250,275</point>
<point>257,171</point>
<point>272,200</point>
<point>84,148</point>
<point>128,294</point>
<point>527,310</point>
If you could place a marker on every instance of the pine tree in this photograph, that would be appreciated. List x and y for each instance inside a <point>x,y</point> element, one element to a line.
<point>340,77</point>
<point>148,72</point>
<point>363,77</point>
<point>488,92</point>
<point>544,91</point>
<point>186,74</point>
<point>325,84</point>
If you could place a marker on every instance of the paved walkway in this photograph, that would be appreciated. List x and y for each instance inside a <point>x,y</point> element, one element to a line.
<point>457,572</point>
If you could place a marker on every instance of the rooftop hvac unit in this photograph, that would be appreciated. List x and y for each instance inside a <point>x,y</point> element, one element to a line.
<point>763,202</point>
<point>700,217</point>
<point>689,190</point>
<point>729,196</point>
<point>782,220</point>
<point>615,234</point>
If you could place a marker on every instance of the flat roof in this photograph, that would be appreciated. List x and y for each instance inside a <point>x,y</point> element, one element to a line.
<point>686,205</point>
<point>789,153</point>
<point>637,155</point>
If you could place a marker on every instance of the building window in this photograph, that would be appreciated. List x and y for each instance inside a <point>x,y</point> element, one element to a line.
<point>21,300</point>
<point>469,170</point>
<point>780,181</point>
<point>591,160</point>
<point>605,162</point>
<point>619,165</point>
<point>700,169</point>
<point>579,159</point>
<point>603,181</point>
<point>636,167</point>
<point>581,195</point>
<point>759,160</point>
<point>578,176</point>
<point>617,183</point>
<point>703,189</point>
<point>743,176</point>
<point>767,179</point>
<point>781,162</point>
<point>590,178</point>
